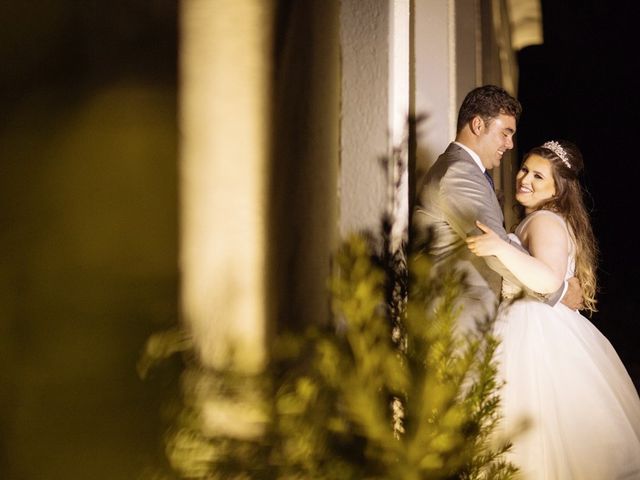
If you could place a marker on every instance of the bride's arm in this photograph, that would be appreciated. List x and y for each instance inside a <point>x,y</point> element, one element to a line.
<point>546,240</point>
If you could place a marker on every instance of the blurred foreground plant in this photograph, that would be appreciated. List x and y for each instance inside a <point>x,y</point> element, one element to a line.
<point>385,391</point>
<point>343,401</point>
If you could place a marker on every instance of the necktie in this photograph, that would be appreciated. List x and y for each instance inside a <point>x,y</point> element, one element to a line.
<point>489,179</point>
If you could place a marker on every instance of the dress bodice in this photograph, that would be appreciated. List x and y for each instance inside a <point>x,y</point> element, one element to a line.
<point>510,289</point>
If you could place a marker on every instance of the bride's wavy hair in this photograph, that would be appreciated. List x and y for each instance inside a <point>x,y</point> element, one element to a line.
<point>569,202</point>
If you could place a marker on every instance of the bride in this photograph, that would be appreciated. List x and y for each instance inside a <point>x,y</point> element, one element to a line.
<point>560,372</point>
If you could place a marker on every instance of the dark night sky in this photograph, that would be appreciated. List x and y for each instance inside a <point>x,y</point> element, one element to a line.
<point>582,85</point>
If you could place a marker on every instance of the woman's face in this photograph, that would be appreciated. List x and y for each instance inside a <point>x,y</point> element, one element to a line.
<point>534,182</point>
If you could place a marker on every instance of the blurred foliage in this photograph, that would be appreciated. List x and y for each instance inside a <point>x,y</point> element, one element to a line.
<point>345,401</point>
<point>386,390</point>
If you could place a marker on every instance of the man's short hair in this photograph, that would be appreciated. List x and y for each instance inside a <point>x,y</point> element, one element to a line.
<point>487,102</point>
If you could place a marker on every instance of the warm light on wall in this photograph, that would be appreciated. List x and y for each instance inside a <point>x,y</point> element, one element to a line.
<point>526,23</point>
<point>225,74</point>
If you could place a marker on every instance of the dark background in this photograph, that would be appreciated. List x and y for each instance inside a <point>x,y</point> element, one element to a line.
<point>582,85</point>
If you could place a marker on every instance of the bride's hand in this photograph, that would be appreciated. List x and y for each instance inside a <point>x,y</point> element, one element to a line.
<point>486,244</point>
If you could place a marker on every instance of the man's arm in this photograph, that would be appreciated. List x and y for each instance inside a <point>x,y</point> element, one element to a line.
<point>572,296</point>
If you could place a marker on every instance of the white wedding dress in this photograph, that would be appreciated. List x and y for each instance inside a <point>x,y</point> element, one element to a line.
<point>565,378</point>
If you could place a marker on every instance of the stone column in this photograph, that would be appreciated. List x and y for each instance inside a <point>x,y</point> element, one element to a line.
<point>225,83</point>
<point>375,44</point>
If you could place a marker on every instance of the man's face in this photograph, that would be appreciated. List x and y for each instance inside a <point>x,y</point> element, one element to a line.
<point>495,138</point>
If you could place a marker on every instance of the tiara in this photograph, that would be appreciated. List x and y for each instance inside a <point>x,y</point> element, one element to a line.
<point>556,148</point>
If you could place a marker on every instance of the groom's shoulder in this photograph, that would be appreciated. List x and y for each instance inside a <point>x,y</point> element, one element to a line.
<point>455,161</point>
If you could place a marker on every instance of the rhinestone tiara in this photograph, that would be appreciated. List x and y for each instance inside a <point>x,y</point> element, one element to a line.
<point>556,148</point>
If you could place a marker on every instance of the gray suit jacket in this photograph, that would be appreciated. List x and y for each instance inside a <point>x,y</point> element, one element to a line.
<point>455,194</point>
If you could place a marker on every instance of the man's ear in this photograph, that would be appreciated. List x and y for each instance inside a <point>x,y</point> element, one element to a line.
<point>477,125</point>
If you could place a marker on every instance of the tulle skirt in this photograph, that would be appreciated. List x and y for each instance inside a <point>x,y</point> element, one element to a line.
<point>567,382</point>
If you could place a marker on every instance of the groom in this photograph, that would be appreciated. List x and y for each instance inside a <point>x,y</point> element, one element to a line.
<point>458,190</point>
